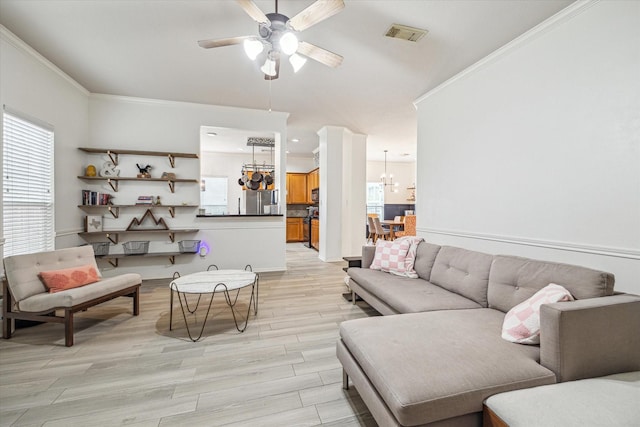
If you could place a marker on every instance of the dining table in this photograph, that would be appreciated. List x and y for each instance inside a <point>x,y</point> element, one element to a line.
<point>392,224</point>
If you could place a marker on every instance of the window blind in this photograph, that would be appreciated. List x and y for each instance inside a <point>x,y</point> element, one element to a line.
<point>27,189</point>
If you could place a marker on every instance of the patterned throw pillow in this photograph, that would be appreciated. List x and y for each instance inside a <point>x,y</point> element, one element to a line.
<point>411,255</point>
<point>391,256</point>
<point>522,323</point>
<point>68,278</point>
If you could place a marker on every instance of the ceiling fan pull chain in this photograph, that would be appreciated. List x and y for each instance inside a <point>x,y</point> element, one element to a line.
<point>270,80</point>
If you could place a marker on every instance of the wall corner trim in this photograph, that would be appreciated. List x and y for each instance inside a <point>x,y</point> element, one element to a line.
<point>16,42</point>
<point>549,24</point>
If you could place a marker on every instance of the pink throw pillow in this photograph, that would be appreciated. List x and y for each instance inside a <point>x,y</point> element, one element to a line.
<point>522,323</point>
<point>411,255</point>
<point>68,278</point>
<point>391,256</point>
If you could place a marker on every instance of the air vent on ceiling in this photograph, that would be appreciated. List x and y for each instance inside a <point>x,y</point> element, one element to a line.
<point>403,32</point>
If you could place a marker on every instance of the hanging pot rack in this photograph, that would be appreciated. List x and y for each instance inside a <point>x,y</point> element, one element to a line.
<point>265,171</point>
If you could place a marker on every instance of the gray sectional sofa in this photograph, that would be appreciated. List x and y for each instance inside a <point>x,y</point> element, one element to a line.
<point>437,353</point>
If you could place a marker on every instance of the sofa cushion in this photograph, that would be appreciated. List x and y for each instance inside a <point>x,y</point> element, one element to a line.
<point>405,295</point>
<point>462,271</point>
<point>514,279</point>
<point>425,257</point>
<point>68,278</point>
<point>604,401</point>
<point>45,301</point>
<point>442,364</point>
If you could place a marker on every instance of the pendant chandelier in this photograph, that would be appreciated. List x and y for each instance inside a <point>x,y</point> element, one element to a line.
<point>388,184</point>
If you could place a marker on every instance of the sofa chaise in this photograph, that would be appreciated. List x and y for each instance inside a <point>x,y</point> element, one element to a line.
<point>437,353</point>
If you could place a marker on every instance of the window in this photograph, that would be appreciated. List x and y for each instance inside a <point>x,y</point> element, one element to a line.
<point>27,190</point>
<point>375,199</point>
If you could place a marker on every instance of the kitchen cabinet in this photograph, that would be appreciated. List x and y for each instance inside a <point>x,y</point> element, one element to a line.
<point>295,230</point>
<point>315,234</point>
<point>296,188</point>
<point>313,181</point>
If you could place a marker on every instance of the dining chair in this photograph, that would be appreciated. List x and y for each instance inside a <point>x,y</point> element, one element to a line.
<point>380,231</point>
<point>409,227</point>
<point>372,229</point>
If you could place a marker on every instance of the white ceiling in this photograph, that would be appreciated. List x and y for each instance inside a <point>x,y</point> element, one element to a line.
<point>148,49</point>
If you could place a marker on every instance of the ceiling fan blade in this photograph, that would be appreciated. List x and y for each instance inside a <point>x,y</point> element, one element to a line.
<point>268,77</point>
<point>316,12</point>
<point>253,11</point>
<point>208,44</point>
<point>319,54</point>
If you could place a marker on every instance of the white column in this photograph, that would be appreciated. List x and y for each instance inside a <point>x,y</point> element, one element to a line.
<point>342,193</point>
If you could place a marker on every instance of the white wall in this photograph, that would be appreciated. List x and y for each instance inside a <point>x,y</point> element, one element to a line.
<point>535,151</point>
<point>33,86</point>
<point>404,173</point>
<point>144,124</point>
<point>299,164</point>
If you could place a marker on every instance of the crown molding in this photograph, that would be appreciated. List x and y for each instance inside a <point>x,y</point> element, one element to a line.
<point>169,103</point>
<point>539,30</point>
<point>16,42</point>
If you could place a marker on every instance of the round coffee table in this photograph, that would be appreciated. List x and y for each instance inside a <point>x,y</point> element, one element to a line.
<point>212,282</point>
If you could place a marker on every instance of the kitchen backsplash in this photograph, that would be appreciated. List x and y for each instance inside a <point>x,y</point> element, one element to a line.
<point>297,211</point>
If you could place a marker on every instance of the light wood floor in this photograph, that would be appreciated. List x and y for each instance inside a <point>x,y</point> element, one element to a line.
<point>125,370</point>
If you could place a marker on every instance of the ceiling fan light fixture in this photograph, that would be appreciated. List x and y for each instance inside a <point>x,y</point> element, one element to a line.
<point>297,61</point>
<point>253,48</point>
<point>269,67</point>
<point>288,43</point>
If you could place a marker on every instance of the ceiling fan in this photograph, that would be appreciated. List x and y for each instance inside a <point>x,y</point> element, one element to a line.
<point>276,37</point>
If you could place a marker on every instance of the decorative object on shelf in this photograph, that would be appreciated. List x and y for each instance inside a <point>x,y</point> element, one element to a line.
<point>135,223</point>
<point>136,247</point>
<point>93,223</point>
<point>276,37</point>
<point>158,201</point>
<point>189,246</point>
<point>101,248</point>
<point>144,171</point>
<point>109,170</point>
<point>168,175</point>
<point>94,198</point>
<point>412,195</point>
<point>383,178</point>
<point>90,171</point>
<point>144,201</point>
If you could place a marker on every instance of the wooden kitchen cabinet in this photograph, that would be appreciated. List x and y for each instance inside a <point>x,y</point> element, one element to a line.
<point>315,233</point>
<point>296,188</point>
<point>313,181</point>
<point>295,230</point>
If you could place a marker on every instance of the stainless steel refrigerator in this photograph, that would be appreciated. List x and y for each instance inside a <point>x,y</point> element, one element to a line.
<point>256,201</point>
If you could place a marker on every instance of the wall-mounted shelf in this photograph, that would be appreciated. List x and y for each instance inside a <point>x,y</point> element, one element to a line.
<point>112,235</point>
<point>115,209</point>
<point>114,154</point>
<point>113,258</point>
<point>113,181</point>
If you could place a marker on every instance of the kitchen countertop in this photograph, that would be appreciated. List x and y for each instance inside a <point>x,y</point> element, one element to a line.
<point>238,216</point>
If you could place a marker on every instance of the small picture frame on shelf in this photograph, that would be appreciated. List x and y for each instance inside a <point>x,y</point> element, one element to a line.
<point>93,223</point>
